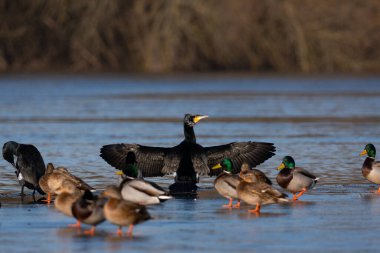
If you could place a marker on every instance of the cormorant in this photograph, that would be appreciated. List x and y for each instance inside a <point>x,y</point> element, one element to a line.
<point>30,166</point>
<point>188,159</point>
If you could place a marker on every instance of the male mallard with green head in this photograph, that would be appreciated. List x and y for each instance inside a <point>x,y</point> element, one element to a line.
<point>226,182</point>
<point>371,168</point>
<point>294,179</point>
<point>135,189</point>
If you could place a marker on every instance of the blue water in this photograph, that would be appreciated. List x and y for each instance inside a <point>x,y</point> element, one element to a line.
<point>323,122</point>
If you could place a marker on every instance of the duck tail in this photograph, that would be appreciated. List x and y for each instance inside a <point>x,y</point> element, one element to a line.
<point>144,215</point>
<point>315,180</point>
<point>282,200</point>
<point>163,198</point>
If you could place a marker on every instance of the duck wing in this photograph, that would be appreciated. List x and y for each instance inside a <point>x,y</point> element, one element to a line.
<point>265,191</point>
<point>304,172</point>
<point>79,183</point>
<point>253,153</point>
<point>376,165</point>
<point>149,188</point>
<point>151,161</point>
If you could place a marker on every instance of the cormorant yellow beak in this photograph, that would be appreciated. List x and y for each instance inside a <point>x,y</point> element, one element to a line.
<point>199,117</point>
<point>364,152</point>
<point>282,166</point>
<point>218,166</point>
<point>120,172</point>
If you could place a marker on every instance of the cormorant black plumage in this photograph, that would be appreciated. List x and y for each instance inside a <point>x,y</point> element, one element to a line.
<point>188,158</point>
<point>29,164</point>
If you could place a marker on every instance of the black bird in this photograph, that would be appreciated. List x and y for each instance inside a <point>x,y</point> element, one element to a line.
<point>29,165</point>
<point>188,159</point>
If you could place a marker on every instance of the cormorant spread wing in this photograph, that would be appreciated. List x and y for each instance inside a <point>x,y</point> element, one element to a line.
<point>151,161</point>
<point>253,153</point>
<point>187,157</point>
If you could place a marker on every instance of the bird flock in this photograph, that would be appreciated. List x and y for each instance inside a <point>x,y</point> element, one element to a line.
<point>125,204</point>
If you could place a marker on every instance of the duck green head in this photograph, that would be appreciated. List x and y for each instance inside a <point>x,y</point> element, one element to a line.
<point>225,164</point>
<point>130,169</point>
<point>287,162</point>
<point>369,150</point>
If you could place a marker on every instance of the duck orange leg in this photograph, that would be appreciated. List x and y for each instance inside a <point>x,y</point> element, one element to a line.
<point>256,210</point>
<point>229,204</point>
<point>90,231</point>
<point>76,225</point>
<point>48,200</point>
<point>119,231</point>
<point>130,230</point>
<point>237,204</point>
<point>296,196</point>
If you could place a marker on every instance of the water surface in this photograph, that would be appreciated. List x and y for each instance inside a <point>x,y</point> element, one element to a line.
<point>323,123</point>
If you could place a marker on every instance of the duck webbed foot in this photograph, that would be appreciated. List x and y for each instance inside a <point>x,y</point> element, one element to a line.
<point>229,205</point>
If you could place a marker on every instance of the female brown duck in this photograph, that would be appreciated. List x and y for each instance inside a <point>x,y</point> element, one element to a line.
<point>121,212</point>
<point>54,177</point>
<point>254,190</point>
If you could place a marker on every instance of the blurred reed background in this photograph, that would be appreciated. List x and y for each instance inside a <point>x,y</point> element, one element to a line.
<point>163,36</point>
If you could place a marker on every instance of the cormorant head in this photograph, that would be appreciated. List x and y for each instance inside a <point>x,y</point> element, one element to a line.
<point>287,162</point>
<point>9,150</point>
<point>369,150</point>
<point>225,164</point>
<point>190,119</point>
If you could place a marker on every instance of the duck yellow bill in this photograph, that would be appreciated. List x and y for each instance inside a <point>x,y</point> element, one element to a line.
<point>218,166</point>
<point>119,173</point>
<point>199,117</point>
<point>364,152</point>
<point>282,166</point>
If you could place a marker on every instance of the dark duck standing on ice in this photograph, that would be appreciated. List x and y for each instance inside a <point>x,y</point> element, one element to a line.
<point>29,164</point>
<point>188,159</point>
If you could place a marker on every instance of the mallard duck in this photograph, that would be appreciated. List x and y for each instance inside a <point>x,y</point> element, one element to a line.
<point>88,209</point>
<point>67,193</point>
<point>371,168</point>
<point>121,212</point>
<point>295,179</point>
<point>142,192</point>
<point>226,182</point>
<point>257,175</point>
<point>53,178</point>
<point>138,190</point>
<point>188,159</point>
<point>254,190</point>
<point>29,165</point>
